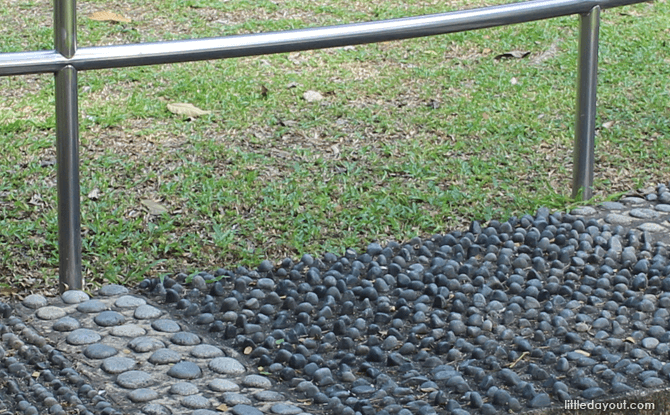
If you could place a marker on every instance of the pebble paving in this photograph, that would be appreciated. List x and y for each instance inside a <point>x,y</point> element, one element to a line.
<point>152,363</point>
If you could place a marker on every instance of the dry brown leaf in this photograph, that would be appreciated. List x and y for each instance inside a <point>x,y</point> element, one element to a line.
<point>608,124</point>
<point>94,194</point>
<point>223,407</point>
<point>583,352</point>
<point>514,54</point>
<point>190,110</point>
<point>248,350</point>
<point>106,16</point>
<point>312,96</point>
<point>155,208</point>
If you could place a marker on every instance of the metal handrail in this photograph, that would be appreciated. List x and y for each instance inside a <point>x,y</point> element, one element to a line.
<point>66,60</point>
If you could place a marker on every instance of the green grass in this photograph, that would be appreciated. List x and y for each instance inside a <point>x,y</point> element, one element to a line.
<point>412,138</point>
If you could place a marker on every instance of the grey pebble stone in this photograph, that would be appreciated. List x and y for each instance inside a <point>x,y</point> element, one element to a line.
<point>99,351</point>
<point>146,311</point>
<point>206,351</point>
<point>92,306</point>
<point>155,409</point>
<point>257,381</point>
<point>650,342</point>
<point>82,336</point>
<point>135,379</point>
<point>205,412</point>
<point>269,396</point>
<point>234,398</point>
<point>66,324</point>
<point>285,409</point>
<point>652,227</point>
<point>143,395</point>
<point>118,364</point>
<point>593,393</point>
<point>223,385</point>
<point>226,365</point>
<point>185,338</point>
<point>34,301</point>
<point>185,370</point>
<point>164,357</point>
<point>196,402</point>
<point>112,289</point>
<point>245,410</point>
<point>661,207</point>
<point>74,297</point>
<point>129,301</point>
<point>199,283</point>
<point>644,213</point>
<point>653,382</point>
<point>165,325</point>
<point>613,205</point>
<point>127,330</point>
<point>109,318</point>
<point>616,219</point>
<point>50,313</point>
<point>583,211</point>
<point>633,200</point>
<point>183,389</point>
<point>145,344</point>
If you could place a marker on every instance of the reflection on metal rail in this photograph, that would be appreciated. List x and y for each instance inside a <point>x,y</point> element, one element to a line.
<point>66,60</point>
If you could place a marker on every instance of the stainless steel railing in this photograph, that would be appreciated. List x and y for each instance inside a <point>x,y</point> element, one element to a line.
<point>66,60</point>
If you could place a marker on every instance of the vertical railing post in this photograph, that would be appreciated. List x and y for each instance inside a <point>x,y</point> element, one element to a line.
<point>67,150</point>
<point>585,125</point>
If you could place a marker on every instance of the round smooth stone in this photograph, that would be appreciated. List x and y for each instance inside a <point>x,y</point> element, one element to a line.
<point>117,364</point>
<point>583,211</point>
<point>82,336</point>
<point>652,227</point>
<point>128,330</point>
<point>74,297</point>
<point>146,311</point>
<point>50,313</point>
<point>92,306</point>
<point>226,365</point>
<point>129,301</point>
<point>134,379</point>
<point>616,219</point>
<point>204,412</point>
<point>196,402</point>
<point>66,324</point>
<point>206,351</point>
<point>245,410</point>
<point>112,289</point>
<point>185,370</point>
<point>185,338</point>
<point>143,395</point>
<point>109,318</point>
<point>285,409</point>
<point>183,389</point>
<point>99,351</point>
<point>156,409</point>
<point>234,398</point>
<point>34,301</point>
<point>644,213</point>
<point>223,385</point>
<point>269,396</point>
<point>164,357</point>
<point>145,344</point>
<point>166,325</point>
<point>257,381</point>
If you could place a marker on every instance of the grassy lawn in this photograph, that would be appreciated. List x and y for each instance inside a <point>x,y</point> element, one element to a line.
<point>411,137</point>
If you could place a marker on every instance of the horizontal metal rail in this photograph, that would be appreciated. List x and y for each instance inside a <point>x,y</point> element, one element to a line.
<point>66,60</point>
<point>104,57</point>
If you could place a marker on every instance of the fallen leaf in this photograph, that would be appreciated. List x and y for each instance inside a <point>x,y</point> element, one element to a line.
<point>94,194</point>
<point>630,339</point>
<point>608,124</point>
<point>514,81</point>
<point>190,110</point>
<point>223,407</point>
<point>264,91</point>
<point>155,208</point>
<point>292,85</point>
<point>248,350</point>
<point>106,16</point>
<point>514,54</point>
<point>583,352</point>
<point>312,96</point>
